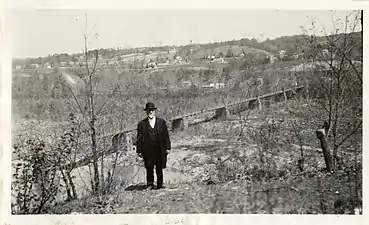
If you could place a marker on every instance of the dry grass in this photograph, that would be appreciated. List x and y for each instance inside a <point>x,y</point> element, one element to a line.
<point>213,152</point>
<point>250,173</point>
<point>300,196</point>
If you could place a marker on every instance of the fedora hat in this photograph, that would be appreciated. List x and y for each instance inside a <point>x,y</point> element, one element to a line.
<point>150,106</point>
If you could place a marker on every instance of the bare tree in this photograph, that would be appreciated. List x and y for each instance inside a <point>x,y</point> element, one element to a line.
<point>336,82</point>
<point>87,103</point>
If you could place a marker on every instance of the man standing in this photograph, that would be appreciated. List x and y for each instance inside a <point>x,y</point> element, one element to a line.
<point>153,144</point>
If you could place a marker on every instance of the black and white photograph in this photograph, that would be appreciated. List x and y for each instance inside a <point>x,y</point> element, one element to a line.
<point>243,111</point>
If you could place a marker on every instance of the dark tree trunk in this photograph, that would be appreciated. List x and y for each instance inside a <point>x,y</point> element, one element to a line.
<point>67,188</point>
<point>321,135</point>
<point>73,187</point>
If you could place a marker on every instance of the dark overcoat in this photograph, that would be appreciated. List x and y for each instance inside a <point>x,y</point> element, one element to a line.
<point>143,146</point>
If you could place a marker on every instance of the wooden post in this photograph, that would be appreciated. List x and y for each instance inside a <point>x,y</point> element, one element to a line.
<point>129,141</point>
<point>179,124</point>
<point>222,113</point>
<point>321,135</point>
<point>252,104</point>
<point>285,96</point>
<point>259,92</point>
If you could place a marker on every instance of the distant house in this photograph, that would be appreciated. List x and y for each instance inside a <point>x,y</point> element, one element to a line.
<point>219,85</point>
<point>35,65</point>
<point>219,60</point>
<point>214,85</point>
<point>325,52</point>
<point>63,64</point>
<point>178,60</point>
<point>211,58</point>
<point>186,84</point>
<point>71,63</point>
<point>152,65</point>
<point>282,53</point>
<point>206,86</point>
<point>47,65</point>
<point>296,56</point>
<point>18,67</point>
<point>272,59</point>
<point>27,75</point>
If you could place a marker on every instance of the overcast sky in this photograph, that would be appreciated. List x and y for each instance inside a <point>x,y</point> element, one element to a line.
<point>42,32</point>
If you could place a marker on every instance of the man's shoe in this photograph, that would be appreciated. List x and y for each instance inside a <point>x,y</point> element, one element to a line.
<point>150,187</point>
<point>160,187</point>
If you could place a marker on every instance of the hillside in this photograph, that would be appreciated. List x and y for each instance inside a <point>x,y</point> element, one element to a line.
<point>261,155</point>
<point>211,171</point>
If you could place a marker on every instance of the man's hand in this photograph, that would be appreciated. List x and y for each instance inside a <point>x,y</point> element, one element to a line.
<point>139,155</point>
<point>168,151</point>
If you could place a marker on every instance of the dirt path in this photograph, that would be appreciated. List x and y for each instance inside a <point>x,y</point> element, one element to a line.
<point>185,162</point>
<point>189,161</point>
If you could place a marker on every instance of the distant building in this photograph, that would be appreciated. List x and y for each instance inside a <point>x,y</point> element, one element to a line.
<point>63,64</point>
<point>26,75</point>
<point>35,65</point>
<point>179,60</point>
<point>211,58</point>
<point>47,65</point>
<point>325,52</point>
<point>18,67</point>
<point>71,63</point>
<point>152,65</point>
<point>187,84</point>
<point>206,86</point>
<point>219,85</point>
<point>272,59</point>
<point>282,53</point>
<point>219,60</point>
<point>296,56</point>
<point>214,85</point>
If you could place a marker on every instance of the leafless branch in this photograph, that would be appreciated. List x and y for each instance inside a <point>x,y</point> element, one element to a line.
<point>107,99</point>
<point>349,134</point>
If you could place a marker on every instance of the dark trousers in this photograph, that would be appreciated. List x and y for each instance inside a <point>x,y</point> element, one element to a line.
<point>154,160</point>
<point>150,174</point>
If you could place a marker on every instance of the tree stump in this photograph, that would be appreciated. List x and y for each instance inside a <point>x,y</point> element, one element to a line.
<point>321,135</point>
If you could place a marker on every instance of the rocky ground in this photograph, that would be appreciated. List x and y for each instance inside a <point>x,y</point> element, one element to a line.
<point>215,168</point>
<point>205,174</point>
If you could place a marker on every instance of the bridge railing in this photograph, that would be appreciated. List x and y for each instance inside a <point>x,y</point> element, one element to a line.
<point>124,140</point>
<point>194,106</point>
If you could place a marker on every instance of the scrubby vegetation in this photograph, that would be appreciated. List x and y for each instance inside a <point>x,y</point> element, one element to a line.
<point>299,154</point>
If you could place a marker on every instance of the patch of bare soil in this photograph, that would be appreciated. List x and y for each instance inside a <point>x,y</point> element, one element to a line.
<point>211,170</point>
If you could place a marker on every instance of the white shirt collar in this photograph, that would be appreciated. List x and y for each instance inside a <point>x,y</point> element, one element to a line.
<point>152,121</point>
